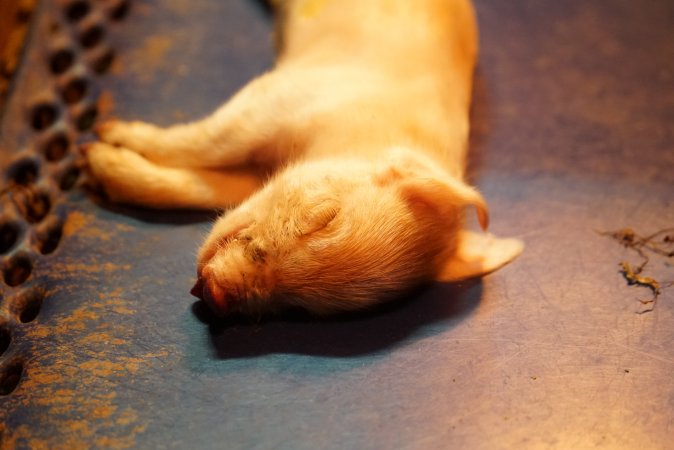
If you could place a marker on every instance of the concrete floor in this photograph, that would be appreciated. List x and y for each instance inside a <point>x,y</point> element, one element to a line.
<point>572,133</point>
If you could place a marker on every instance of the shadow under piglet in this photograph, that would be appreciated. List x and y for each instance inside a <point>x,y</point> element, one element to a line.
<point>346,335</point>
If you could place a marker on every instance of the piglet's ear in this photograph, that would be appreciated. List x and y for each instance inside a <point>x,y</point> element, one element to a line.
<point>478,254</point>
<point>427,190</point>
<point>443,193</point>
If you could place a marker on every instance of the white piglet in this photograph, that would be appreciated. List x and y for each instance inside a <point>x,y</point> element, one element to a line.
<point>346,162</point>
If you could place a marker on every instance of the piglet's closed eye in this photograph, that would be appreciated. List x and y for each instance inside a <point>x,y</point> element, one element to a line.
<point>319,218</point>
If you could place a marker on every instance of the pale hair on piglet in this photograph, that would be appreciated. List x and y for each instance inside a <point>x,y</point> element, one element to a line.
<point>343,166</point>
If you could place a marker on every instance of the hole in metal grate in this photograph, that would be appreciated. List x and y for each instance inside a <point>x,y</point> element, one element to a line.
<point>103,62</point>
<point>43,115</point>
<point>27,305</point>
<point>77,10</point>
<point>10,376</point>
<point>86,120</point>
<point>74,90</point>
<point>56,147</point>
<point>33,205</point>
<point>92,36</point>
<point>23,172</point>
<point>17,270</point>
<point>54,27</point>
<point>61,60</point>
<point>121,10</point>
<point>50,237</point>
<point>69,178</point>
<point>5,339</point>
<point>9,235</point>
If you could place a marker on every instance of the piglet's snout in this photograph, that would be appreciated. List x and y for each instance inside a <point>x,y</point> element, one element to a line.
<point>230,279</point>
<point>198,289</point>
<point>214,296</point>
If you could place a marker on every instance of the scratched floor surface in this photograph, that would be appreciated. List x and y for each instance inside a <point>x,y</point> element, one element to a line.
<point>102,346</point>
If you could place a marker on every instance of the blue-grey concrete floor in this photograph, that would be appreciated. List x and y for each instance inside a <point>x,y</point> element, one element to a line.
<point>572,133</point>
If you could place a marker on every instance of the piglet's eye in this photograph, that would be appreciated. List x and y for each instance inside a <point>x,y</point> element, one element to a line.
<point>318,219</point>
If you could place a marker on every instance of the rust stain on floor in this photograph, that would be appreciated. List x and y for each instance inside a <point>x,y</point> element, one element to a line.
<point>106,103</point>
<point>84,358</point>
<point>86,226</point>
<point>144,61</point>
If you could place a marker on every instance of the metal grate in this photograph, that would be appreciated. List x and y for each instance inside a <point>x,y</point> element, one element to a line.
<point>74,45</point>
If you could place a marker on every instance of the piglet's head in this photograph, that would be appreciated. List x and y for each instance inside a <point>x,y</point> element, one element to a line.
<point>246,263</point>
<point>342,235</point>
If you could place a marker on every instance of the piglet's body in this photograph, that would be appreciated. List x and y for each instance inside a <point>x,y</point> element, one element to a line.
<point>346,162</point>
